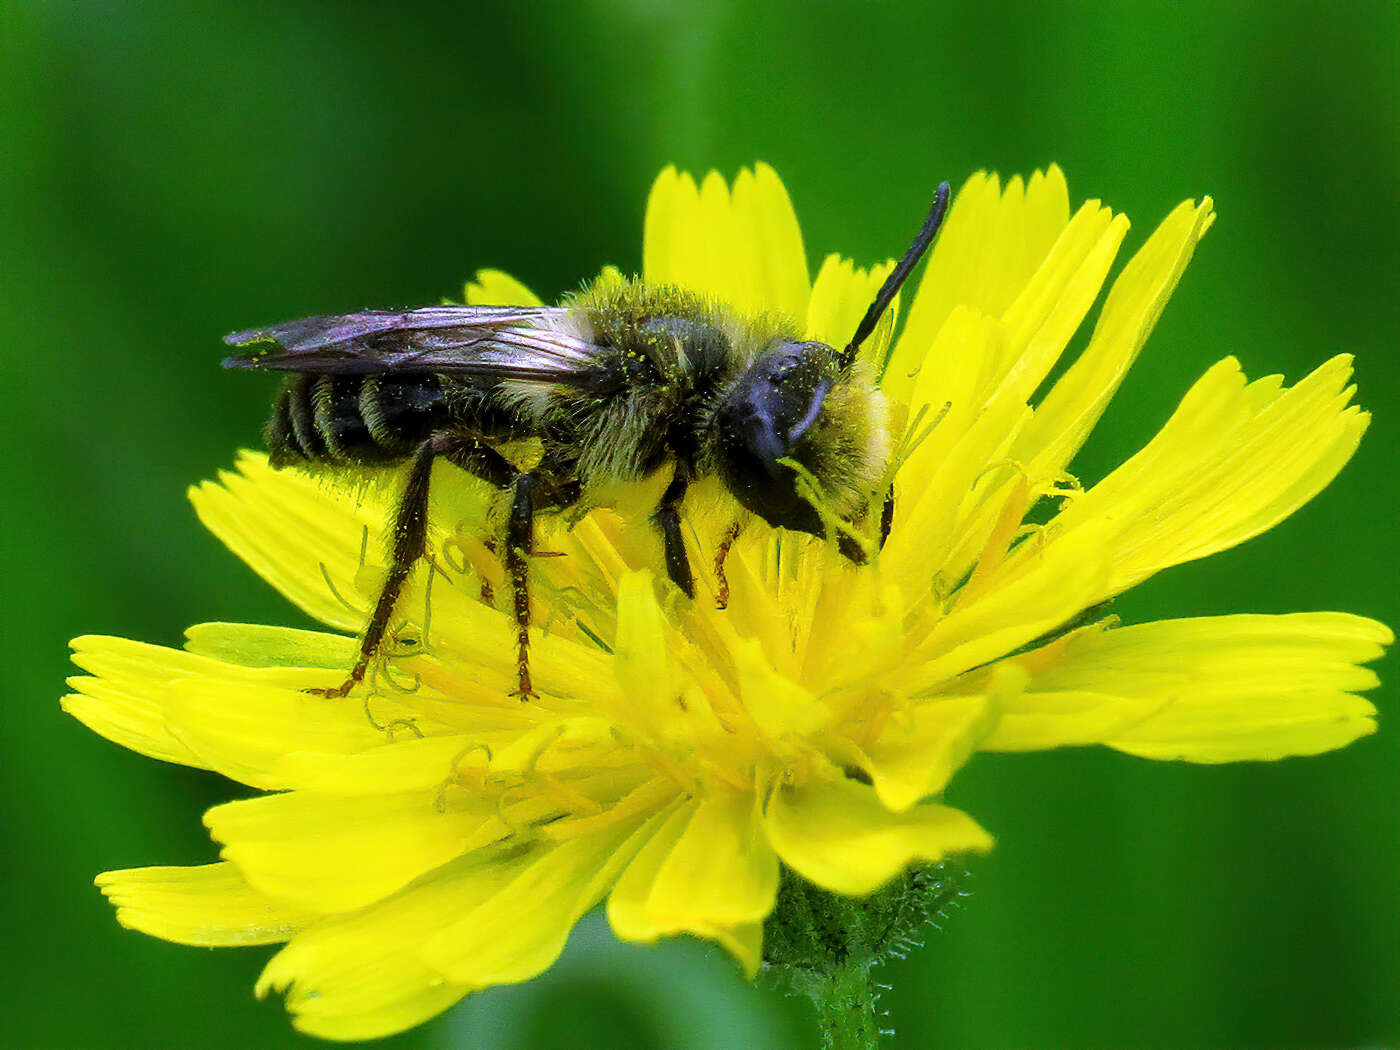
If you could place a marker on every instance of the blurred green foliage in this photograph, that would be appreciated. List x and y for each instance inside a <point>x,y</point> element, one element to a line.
<point>173,171</point>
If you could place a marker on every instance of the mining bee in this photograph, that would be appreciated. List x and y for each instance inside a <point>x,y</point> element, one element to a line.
<point>619,382</point>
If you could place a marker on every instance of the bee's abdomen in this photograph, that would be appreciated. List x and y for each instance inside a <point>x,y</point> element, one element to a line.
<point>354,419</point>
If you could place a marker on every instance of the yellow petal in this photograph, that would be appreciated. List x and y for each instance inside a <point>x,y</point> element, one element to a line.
<point>672,196</point>
<point>778,705</point>
<point>761,203</point>
<point>243,730</point>
<point>836,833</point>
<point>627,904</point>
<point>1033,331</point>
<point>709,866</point>
<point>722,871</point>
<point>920,749</point>
<point>684,232</point>
<point>968,405</point>
<point>297,532</point>
<point>724,253</point>
<point>495,288</point>
<point>641,659</point>
<point>744,942</point>
<point>991,244</point>
<point>865,641</point>
<point>959,452</point>
<point>743,248</point>
<point>1232,461</point>
<point>339,853</point>
<point>653,665</point>
<point>1049,310</point>
<point>1065,718</point>
<point>1214,689</point>
<point>362,975</point>
<point>464,631</point>
<point>519,930</point>
<point>1074,404</point>
<point>951,389</point>
<point>409,997</point>
<point>408,764</point>
<point>258,645</point>
<point>754,615</point>
<point>211,906</point>
<point>841,295</point>
<point>1004,618</point>
<point>124,699</point>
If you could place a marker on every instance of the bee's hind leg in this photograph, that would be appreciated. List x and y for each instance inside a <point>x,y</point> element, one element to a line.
<point>531,491</point>
<point>476,457</point>
<point>409,542</point>
<point>411,532</point>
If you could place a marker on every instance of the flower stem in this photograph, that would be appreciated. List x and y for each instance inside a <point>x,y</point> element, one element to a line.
<point>846,1011</point>
<point>822,945</point>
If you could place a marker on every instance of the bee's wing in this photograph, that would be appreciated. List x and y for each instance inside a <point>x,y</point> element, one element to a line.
<point>507,342</point>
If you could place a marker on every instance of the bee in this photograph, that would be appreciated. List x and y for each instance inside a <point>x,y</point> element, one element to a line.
<point>621,381</point>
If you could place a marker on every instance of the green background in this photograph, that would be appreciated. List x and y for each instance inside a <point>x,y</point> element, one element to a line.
<point>174,171</point>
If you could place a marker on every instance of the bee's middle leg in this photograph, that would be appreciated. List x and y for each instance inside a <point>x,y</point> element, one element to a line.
<point>478,458</point>
<point>531,491</point>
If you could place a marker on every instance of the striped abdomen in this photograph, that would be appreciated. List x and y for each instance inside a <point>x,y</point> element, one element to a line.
<point>354,418</point>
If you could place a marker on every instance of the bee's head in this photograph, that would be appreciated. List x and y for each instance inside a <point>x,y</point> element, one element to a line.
<point>801,402</point>
<point>815,406</point>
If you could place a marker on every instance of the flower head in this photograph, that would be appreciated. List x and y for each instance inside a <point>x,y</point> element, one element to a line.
<point>431,834</point>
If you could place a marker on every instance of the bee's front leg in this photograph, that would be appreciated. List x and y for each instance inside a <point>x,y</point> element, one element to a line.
<point>851,550</point>
<point>731,534</point>
<point>886,517</point>
<point>472,454</point>
<point>533,492</point>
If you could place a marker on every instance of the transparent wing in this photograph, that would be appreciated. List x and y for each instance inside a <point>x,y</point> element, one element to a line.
<point>507,342</point>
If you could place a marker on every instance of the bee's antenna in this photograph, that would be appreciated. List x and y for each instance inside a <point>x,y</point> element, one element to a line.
<point>887,291</point>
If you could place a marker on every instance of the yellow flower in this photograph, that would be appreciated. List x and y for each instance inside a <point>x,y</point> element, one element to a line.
<point>432,835</point>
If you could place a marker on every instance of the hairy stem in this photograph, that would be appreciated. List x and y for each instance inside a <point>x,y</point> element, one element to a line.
<point>846,1008</point>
